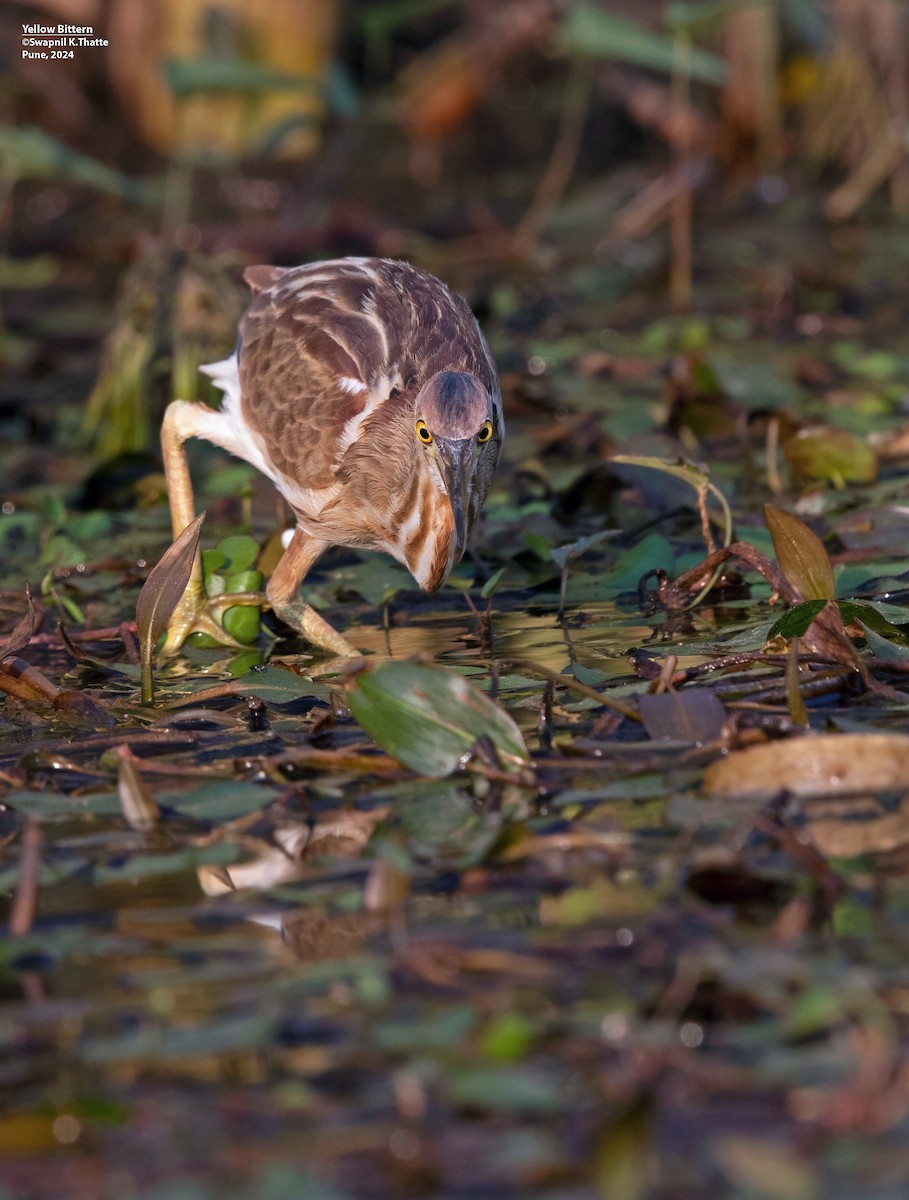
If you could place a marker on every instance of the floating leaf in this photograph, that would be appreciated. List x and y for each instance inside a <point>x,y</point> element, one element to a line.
<point>516,1089</point>
<point>243,621</point>
<point>240,551</point>
<point>276,685</point>
<point>428,718</point>
<point>161,594</point>
<point>652,553</point>
<point>834,455</point>
<point>696,716</point>
<point>800,554</point>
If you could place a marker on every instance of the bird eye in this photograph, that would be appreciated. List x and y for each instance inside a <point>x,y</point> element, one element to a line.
<point>485,433</point>
<point>423,432</point>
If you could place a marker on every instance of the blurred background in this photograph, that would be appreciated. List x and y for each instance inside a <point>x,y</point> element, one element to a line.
<point>564,163</point>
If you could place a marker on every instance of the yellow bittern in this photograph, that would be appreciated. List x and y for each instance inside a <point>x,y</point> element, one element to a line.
<point>364,389</point>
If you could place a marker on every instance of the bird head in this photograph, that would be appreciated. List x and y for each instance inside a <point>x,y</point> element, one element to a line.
<point>459,427</point>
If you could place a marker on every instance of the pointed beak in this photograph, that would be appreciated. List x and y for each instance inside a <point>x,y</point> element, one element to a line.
<point>456,460</point>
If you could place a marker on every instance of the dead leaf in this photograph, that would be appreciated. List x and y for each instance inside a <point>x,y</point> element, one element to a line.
<point>827,765</point>
<point>161,594</point>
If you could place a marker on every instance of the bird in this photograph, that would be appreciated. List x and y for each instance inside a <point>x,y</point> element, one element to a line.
<point>366,391</point>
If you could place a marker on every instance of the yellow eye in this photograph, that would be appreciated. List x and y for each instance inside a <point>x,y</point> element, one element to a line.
<point>485,433</point>
<point>423,432</point>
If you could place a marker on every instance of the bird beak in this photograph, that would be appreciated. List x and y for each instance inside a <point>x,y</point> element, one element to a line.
<point>456,459</point>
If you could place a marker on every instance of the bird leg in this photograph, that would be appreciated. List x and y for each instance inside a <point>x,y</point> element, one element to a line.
<point>284,595</point>
<point>183,420</point>
<point>193,613</point>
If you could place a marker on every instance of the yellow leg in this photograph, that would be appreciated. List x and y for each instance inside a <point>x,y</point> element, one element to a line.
<point>181,421</point>
<point>284,595</point>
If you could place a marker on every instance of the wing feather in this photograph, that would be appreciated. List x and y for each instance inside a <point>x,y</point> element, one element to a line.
<point>310,333</point>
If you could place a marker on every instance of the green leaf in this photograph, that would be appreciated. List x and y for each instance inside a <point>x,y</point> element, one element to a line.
<point>428,718</point>
<point>884,648</point>
<point>796,621</point>
<point>212,561</point>
<point>834,455</point>
<point>489,587</point>
<point>377,579</point>
<point>801,555</point>
<point>509,1038</point>
<point>275,685</point>
<point>244,620</point>
<point>521,1089</point>
<point>652,553</point>
<point>161,594</point>
<point>221,801</point>
<point>240,550</point>
<point>189,76</point>
<point>869,615</point>
<point>27,152</point>
<point>591,30</point>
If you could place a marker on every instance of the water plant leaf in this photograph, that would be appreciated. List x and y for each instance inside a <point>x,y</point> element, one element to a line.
<point>161,594</point>
<point>591,30</point>
<point>276,685</point>
<point>243,621</point>
<point>883,647</point>
<point>23,630</point>
<point>796,621</point>
<point>800,554</point>
<point>696,716</point>
<point>240,551</point>
<point>428,718</point>
<point>871,616</point>
<point>28,152</point>
<point>834,455</point>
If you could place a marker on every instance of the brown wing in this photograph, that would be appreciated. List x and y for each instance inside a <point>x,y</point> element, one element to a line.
<point>324,344</point>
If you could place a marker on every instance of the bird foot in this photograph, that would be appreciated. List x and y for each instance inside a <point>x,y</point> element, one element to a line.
<point>196,613</point>
<point>303,618</point>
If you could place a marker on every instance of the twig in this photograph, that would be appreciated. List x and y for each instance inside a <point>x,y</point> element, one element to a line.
<point>25,902</point>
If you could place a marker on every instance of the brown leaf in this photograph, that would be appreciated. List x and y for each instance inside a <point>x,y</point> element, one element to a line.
<point>23,630</point>
<point>801,555</point>
<point>139,807</point>
<point>695,716</point>
<point>161,594</point>
<point>828,765</point>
